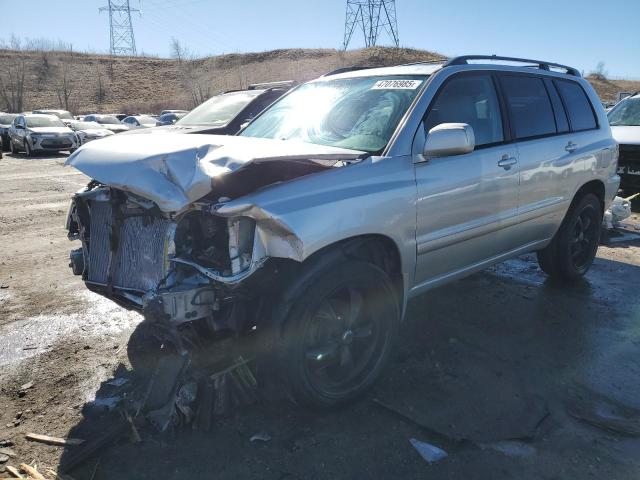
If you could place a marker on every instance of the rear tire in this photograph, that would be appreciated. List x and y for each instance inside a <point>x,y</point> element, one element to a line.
<point>571,252</point>
<point>338,333</point>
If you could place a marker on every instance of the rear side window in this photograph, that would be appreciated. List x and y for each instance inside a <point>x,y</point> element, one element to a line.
<point>562,123</point>
<point>469,99</point>
<point>577,104</point>
<point>529,106</point>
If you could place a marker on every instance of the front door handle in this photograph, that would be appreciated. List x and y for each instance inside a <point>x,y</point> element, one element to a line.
<point>571,147</point>
<point>507,162</point>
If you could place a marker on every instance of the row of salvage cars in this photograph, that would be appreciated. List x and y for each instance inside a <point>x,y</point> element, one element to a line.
<point>57,130</point>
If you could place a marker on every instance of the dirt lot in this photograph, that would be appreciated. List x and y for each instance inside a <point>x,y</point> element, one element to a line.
<point>500,370</point>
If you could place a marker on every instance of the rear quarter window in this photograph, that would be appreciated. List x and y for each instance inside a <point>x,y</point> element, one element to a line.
<point>577,103</point>
<point>529,106</point>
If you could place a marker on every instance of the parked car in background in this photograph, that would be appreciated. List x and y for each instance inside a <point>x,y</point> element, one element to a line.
<point>5,122</point>
<point>87,131</point>
<point>63,115</point>
<point>139,121</point>
<point>120,116</point>
<point>227,113</point>
<point>38,133</point>
<point>164,112</point>
<point>169,118</point>
<point>314,226</point>
<point>624,119</point>
<point>109,122</point>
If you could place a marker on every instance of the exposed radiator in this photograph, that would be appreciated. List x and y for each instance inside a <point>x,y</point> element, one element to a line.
<point>138,261</point>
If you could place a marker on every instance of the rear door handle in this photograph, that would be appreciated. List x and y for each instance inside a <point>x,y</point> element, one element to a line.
<point>571,147</point>
<point>507,162</point>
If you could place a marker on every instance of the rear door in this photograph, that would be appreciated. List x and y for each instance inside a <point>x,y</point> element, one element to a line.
<point>548,151</point>
<point>464,202</point>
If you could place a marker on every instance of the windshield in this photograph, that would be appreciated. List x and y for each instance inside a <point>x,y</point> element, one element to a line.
<point>626,113</point>
<point>7,119</point>
<point>219,110</point>
<point>355,113</point>
<point>108,120</point>
<point>49,121</point>
<point>85,125</point>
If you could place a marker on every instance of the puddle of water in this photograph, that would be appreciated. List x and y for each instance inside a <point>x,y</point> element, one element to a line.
<point>34,335</point>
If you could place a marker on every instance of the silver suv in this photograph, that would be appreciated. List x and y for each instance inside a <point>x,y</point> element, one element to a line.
<point>350,195</point>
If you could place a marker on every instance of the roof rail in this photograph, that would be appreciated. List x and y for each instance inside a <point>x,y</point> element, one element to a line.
<point>268,85</point>
<point>353,68</point>
<point>464,60</point>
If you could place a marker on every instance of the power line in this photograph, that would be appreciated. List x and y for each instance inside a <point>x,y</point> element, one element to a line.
<point>371,16</point>
<point>122,41</point>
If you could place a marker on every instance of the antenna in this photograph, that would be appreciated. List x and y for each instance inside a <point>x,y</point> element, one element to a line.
<point>121,29</point>
<point>371,16</point>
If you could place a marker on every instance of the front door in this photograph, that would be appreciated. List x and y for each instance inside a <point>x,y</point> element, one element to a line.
<point>464,202</point>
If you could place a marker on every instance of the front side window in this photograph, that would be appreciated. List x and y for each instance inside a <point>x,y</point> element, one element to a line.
<point>577,104</point>
<point>626,113</point>
<point>529,106</point>
<point>469,99</point>
<point>356,113</point>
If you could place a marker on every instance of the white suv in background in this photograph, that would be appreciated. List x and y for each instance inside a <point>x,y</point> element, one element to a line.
<point>624,119</point>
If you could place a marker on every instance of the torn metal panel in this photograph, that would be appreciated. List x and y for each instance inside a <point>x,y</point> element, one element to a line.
<point>176,170</point>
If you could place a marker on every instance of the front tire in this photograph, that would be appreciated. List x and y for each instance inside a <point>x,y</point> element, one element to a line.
<point>27,149</point>
<point>572,251</point>
<point>338,333</point>
<point>12,146</point>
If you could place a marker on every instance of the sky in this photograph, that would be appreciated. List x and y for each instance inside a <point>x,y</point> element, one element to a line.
<point>579,33</point>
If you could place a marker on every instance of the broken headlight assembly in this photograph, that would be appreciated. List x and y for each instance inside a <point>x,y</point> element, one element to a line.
<point>221,249</point>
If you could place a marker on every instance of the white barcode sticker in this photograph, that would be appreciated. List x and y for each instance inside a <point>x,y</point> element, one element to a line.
<point>396,84</point>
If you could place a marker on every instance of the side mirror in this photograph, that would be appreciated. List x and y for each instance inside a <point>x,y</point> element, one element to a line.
<point>449,139</point>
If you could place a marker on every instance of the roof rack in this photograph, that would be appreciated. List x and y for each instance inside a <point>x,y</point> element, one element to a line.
<point>464,60</point>
<point>353,68</point>
<point>268,85</point>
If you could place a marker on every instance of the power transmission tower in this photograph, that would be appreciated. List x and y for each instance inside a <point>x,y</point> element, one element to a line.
<point>122,40</point>
<point>371,16</point>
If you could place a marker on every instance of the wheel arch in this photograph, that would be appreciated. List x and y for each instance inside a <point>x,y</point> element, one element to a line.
<point>378,249</point>
<point>593,186</point>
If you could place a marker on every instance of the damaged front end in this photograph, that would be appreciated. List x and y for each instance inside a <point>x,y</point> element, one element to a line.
<point>173,268</point>
<point>164,231</point>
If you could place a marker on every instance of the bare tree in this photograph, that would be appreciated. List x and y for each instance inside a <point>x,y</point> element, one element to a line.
<point>599,73</point>
<point>199,87</point>
<point>12,78</point>
<point>64,84</point>
<point>101,86</point>
<point>179,51</point>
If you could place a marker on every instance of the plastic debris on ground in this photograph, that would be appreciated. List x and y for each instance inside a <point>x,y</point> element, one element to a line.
<point>429,452</point>
<point>117,382</point>
<point>261,437</point>
<point>511,448</point>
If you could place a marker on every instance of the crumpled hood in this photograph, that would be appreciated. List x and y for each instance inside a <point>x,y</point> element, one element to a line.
<point>176,170</point>
<point>626,135</point>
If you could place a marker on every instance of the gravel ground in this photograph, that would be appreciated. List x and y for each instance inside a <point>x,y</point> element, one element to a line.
<point>492,369</point>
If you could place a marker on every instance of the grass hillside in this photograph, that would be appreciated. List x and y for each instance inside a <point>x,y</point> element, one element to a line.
<point>85,83</point>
